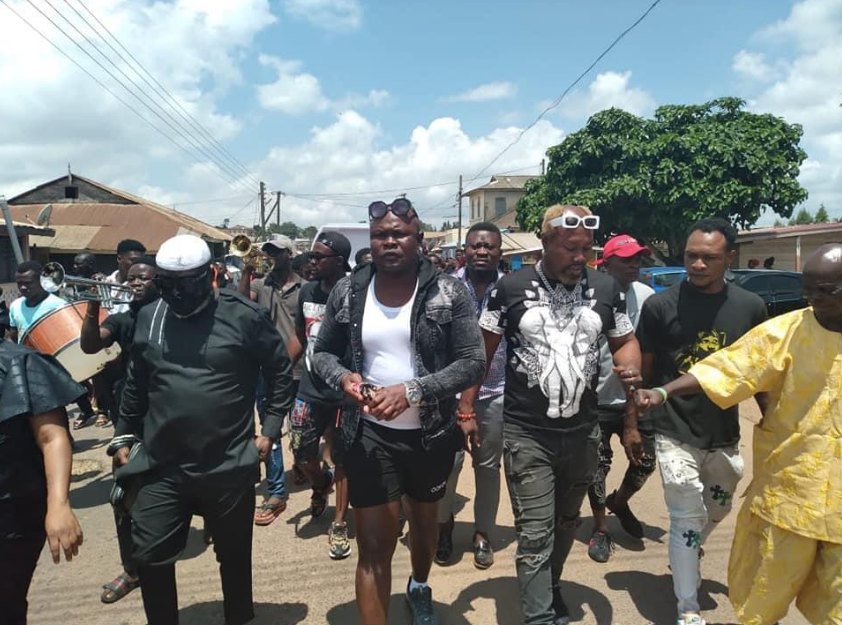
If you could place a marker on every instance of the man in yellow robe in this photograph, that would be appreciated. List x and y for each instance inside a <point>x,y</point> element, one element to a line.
<point>788,540</point>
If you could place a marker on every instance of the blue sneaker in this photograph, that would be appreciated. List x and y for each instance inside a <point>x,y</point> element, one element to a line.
<point>420,602</point>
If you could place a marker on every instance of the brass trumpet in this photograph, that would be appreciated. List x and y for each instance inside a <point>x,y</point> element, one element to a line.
<point>53,278</point>
<point>242,247</point>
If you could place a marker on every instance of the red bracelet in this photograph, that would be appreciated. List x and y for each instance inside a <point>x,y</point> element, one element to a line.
<point>466,416</point>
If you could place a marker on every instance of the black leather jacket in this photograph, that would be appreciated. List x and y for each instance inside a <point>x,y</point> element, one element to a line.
<point>449,352</point>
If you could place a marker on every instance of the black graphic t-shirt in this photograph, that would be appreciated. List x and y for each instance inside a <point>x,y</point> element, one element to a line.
<point>312,301</point>
<point>552,341</point>
<point>681,326</point>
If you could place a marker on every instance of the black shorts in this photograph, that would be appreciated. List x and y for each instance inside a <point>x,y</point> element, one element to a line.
<point>384,463</point>
<point>308,422</point>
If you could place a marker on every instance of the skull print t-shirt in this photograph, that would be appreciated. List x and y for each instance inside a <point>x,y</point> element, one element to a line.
<point>552,338</point>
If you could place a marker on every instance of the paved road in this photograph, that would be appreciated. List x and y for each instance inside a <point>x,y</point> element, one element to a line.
<point>295,582</point>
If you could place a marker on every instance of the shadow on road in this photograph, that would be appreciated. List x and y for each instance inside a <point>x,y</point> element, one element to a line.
<point>265,613</point>
<point>618,534</point>
<point>463,540</point>
<point>653,594</point>
<point>94,493</point>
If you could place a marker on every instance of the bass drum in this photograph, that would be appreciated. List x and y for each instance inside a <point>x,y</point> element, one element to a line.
<point>57,333</point>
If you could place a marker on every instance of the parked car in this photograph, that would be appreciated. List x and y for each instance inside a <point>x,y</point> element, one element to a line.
<point>662,278</point>
<point>781,290</point>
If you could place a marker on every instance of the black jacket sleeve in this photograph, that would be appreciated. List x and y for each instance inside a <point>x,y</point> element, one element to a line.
<point>135,398</point>
<point>332,341</point>
<point>271,355</point>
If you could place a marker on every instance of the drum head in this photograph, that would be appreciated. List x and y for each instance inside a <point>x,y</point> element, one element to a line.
<point>82,366</point>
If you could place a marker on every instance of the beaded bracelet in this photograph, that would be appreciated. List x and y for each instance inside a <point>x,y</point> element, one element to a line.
<point>466,416</point>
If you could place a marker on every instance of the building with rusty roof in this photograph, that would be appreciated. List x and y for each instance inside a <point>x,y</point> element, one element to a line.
<point>496,200</point>
<point>790,246</point>
<point>88,216</point>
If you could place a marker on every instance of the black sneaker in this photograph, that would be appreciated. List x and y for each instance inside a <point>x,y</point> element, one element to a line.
<point>420,602</point>
<point>562,614</point>
<point>444,548</point>
<point>626,516</point>
<point>600,547</point>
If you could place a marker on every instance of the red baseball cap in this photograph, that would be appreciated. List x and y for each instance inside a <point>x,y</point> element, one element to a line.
<point>624,246</point>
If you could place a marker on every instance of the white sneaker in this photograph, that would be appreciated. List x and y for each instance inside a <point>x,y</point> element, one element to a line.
<point>690,619</point>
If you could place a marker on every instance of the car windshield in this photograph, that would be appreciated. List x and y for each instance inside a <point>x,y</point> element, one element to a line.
<point>668,279</point>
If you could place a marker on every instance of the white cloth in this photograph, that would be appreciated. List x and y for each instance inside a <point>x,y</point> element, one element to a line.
<point>609,388</point>
<point>183,253</point>
<point>388,353</point>
<point>120,298</point>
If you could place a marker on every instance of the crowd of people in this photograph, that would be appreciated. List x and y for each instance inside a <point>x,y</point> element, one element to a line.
<point>390,373</point>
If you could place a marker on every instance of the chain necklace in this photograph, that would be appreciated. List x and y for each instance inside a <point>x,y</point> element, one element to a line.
<point>559,295</point>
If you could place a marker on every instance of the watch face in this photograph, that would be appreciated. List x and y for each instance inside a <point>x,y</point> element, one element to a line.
<point>414,395</point>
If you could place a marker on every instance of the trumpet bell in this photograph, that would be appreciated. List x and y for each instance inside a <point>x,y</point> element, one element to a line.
<point>241,245</point>
<point>52,277</point>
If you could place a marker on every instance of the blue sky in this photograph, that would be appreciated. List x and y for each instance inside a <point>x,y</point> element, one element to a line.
<point>347,96</point>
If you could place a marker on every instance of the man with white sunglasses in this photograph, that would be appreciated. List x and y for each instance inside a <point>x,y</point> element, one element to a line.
<point>552,315</point>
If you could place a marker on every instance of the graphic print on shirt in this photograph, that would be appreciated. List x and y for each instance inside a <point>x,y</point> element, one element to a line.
<point>707,342</point>
<point>556,346</point>
<point>313,315</point>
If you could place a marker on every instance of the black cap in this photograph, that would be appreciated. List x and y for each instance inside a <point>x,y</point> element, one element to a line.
<point>339,243</point>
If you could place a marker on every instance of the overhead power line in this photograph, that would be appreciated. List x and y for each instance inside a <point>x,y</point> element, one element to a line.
<point>162,91</point>
<point>558,100</point>
<point>168,120</point>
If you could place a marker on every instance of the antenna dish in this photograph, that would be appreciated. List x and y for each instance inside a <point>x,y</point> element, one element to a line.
<point>44,216</point>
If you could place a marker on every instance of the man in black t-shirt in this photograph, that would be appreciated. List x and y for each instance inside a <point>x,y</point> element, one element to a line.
<point>119,328</point>
<point>317,406</point>
<point>696,441</point>
<point>552,315</point>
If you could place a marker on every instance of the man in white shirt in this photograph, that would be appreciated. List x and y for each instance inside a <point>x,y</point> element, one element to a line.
<point>128,250</point>
<point>622,259</point>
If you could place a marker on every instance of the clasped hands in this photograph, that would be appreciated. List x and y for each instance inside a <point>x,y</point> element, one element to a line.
<point>381,402</point>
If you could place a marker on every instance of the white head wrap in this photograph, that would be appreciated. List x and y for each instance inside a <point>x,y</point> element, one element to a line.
<point>183,253</point>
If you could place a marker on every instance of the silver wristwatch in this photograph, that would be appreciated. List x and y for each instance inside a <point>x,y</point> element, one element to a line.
<point>414,394</point>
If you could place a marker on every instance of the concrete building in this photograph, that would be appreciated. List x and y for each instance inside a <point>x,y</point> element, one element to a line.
<point>89,216</point>
<point>789,245</point>
<point>497,198</point>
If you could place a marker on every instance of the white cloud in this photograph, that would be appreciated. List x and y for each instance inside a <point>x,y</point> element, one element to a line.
<point>608,89</point>
<point>335,15</point>
<point>807,92</point>
<point>296,92</point>
<point>752,65</point>
<point>485,93</point>
<point>346,157</point>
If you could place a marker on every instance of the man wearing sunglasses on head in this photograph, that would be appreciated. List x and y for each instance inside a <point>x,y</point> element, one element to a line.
<point>414,345</point>
<point>189,396</point>
<point>553,315</point>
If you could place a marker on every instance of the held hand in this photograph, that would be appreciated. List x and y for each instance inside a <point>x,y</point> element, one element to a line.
<point>388,402</point>
<point>633,444</point>
<point>630,378</point>
<point>63,532</point>
<point>264,446</point>
<point>121,457</point>
<point>470,430</point>
<point>646,399</point>
<point>350,384</point>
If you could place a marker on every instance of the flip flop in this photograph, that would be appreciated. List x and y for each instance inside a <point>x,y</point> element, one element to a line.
<point>102,420</point>
<point>119,588</point>
<point>81,421</point>
<point>269,511</point>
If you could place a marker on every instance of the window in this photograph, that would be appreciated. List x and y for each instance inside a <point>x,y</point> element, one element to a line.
<point>756,284</point>
<point>499,206</point>
<point>787,286</point>
<point>71,193</point>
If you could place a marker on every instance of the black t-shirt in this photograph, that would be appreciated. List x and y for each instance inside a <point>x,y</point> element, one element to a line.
<point>681,326</point>
<point>121,326</point>
<point>312,301</point>
<point>30,384</point>
<point>552,359</point>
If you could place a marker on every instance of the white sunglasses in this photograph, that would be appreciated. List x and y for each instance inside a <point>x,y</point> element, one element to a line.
<point>570,220</point>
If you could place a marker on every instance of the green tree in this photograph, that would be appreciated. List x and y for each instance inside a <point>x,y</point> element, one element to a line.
<point>778,224</point>
<point>802,218</point>
<point>821,215</point>
<point>309,232</point>
<point>654,177</point>
<point>289,229</point>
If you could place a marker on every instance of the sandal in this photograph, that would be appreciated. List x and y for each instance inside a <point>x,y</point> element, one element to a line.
<point>119,588</point>
<point>318,501</point>
<point>269,511</point>
<point>102,420</point>
<point>81,421</point>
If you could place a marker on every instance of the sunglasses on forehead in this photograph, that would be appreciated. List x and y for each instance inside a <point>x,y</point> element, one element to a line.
<point>569,220</point>
<point>400,208</point>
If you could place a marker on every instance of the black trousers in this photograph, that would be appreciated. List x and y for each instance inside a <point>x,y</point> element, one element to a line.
<point>161,517</point>
<point>18,557</point>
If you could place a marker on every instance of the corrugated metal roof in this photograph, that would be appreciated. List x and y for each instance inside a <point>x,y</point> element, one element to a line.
<point>504,182</point>
<point>70,238</point>
<point>781,232</point>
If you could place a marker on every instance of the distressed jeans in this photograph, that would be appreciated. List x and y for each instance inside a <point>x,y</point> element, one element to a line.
<point>548,475</point>
<point>486,462</point>
<point>699,487</point>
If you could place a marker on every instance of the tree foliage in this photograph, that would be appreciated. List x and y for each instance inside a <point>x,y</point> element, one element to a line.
<point>821,216</point>
<point>802,218</point>
<point>653,178</point>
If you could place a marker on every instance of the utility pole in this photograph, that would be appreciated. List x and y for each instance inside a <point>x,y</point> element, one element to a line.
<point>262,200</point>
<point>459,204</point>
<point>543,162</point>
<point>278,195</point>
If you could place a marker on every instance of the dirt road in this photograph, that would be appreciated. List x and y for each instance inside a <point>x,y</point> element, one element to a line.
<point>295,581</point>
